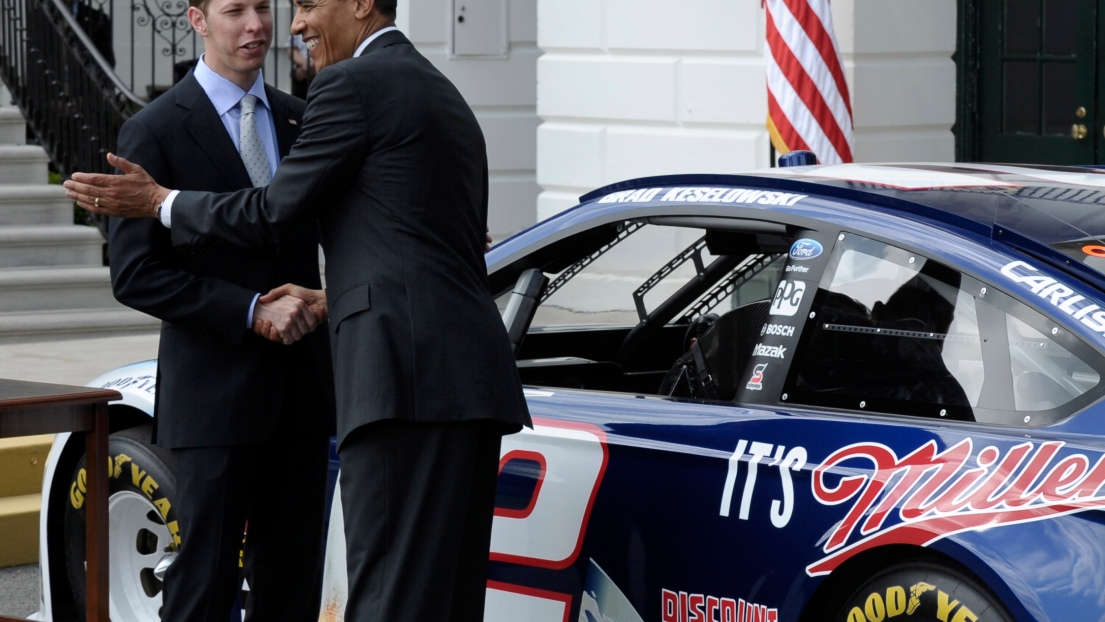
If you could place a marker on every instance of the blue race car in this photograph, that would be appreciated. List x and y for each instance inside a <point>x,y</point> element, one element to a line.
<point>848,393</point>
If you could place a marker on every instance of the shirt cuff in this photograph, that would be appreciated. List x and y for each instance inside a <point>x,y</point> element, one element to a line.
<point>252,305</point>
<point>167,217</point>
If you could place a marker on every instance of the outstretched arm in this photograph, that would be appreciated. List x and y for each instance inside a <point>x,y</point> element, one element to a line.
<point>319,170</point>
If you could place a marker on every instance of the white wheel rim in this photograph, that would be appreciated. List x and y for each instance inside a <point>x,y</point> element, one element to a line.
<point>138,539</point>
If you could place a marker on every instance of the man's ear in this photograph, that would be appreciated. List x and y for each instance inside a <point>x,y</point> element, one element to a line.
<point>363,8</point>
<point>198,20</point>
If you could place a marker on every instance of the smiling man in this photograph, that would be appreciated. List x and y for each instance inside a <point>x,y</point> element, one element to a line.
<point>232,408</point>
<point>392,164</point>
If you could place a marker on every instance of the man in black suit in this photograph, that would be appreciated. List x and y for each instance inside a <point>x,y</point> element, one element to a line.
<point>392,163</point>
<point>247,421</point>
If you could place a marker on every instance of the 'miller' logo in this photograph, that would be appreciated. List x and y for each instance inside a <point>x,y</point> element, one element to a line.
<point>936,494</point>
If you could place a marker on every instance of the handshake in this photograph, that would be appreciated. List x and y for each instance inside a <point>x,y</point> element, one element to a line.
<point>289,312</point>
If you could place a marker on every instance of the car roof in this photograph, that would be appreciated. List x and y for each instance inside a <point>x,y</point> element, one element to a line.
<point>1050,204</point>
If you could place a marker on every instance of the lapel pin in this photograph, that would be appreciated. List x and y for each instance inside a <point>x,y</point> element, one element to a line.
<point>292,121</point>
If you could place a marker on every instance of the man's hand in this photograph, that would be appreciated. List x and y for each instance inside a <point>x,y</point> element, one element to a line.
<point>132,195</point>
<point>315,299</point>
<point>286,319</point>
<point>488,241</point>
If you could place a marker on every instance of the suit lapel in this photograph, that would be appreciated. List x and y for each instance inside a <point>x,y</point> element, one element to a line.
<point>286,122</point>
<point>203,124</point>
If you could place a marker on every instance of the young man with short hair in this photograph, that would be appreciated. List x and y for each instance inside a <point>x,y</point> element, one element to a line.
<point>247,421</point>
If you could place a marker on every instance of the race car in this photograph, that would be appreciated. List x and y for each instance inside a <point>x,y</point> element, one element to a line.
<point>848,393</point>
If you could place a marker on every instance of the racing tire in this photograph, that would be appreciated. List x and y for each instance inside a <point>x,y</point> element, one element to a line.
<point>921,591</point>
<point>142,526</point>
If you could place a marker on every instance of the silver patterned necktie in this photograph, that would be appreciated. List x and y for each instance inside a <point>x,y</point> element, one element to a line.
<point>252,149</point>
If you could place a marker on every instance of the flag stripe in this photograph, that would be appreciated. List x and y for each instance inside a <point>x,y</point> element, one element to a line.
<point>814,68</point>
<point>808,100</point>
<point>824,43</point>
<point>807,90</point>
<point>780,128</point>
<point>795,113</point>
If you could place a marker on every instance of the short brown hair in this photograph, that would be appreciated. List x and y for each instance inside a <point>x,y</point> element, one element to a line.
<point>385,7</point>
<point>199,4</point>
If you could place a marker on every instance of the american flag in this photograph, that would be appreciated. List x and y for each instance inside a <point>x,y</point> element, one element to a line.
<point>807,98</point>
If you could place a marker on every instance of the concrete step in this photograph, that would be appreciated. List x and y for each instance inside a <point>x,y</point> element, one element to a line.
<point>19,526</point>
<point>54,245</point>
<point>23,164</point>
<point>55,289</point>
<point>21,462</point>
<point>75,324</point>
<point>13,129</point>
<point>39,204</point>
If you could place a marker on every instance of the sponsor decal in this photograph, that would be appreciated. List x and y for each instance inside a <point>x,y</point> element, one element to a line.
<point>777,330</point>
<point>785,461</point>
<point>755,383</point>
<point>684,607</point>
<point>788,297</point>
<point>141,383</point>
<point>806,249</point>
<point>798,269</point>
<point>929,494</point>
<point>774,352</point>
<point>122,467</point>
<point>704,195</point>
<point>899,600</point>
<point>1094,250</point>
<point>1057,294</point>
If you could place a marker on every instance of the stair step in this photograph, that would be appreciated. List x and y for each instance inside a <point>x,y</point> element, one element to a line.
<point>13,129</point>
<point>51,289</point>
<point>19,524</point>
<point>21,462</point>
<point>23,164</point>
<point>38,204</point>
<point>53,245</point>
<point>75,324</point>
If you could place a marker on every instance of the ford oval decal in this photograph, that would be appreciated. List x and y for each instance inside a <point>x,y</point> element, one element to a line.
<point>806,249</point>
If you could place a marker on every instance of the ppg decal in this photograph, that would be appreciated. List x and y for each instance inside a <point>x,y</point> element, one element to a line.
<point>788,297</point>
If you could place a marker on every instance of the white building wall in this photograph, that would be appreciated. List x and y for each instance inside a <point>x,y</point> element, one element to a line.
<point>502,92</point>
<point>629,88</point>
<point>897,59</point>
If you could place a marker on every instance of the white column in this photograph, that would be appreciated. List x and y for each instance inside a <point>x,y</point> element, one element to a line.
<point>897,59</point>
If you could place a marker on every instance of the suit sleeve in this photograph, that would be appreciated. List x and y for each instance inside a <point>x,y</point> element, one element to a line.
<point>145,272</point>
<point>320,168</point>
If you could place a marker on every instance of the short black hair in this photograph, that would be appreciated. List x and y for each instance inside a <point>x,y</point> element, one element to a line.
<point>386,7</point>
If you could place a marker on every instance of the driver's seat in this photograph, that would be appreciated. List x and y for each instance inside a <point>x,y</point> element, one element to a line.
<point>714,364</point>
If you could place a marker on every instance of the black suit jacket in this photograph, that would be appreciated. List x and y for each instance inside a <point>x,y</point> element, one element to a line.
<point>218,383</point>
<point>392,163</point>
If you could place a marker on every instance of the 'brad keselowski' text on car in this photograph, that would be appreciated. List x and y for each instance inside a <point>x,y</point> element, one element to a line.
<point>849,393</point>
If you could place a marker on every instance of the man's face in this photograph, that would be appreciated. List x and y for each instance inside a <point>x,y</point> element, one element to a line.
<point>237,35</point>
<point>330,28</point>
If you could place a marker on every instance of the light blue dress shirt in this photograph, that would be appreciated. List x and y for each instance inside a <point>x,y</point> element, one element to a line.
<point>226,96</point>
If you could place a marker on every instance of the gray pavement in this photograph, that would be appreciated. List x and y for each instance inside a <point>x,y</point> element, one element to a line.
<point>63,362</point>
<point>19,590</point>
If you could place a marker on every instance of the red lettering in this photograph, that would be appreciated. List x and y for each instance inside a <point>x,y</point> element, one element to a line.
<point>669,605</point>
<point>696,614</point>
<point>918,463</point>
<point>772,615</point>
<point>728,610</point>
<point>740,612</point>
<point>1067,472</point>
<point>682,607</point>
<point>1089,486</point>
<point>1013,496</point>
<point>884,461</point>
<point>712,604</point>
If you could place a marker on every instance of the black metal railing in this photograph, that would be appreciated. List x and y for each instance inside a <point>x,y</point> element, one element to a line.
<point>79,68</point>
<point>71,99</point>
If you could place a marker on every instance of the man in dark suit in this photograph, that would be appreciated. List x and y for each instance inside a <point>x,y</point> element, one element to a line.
<point>247,421</point>
<point>392,163</point>
<point>97,25</point>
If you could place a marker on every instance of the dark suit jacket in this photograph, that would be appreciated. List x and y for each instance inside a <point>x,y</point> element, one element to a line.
<point>392,163</point>
<point>218,383</point>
